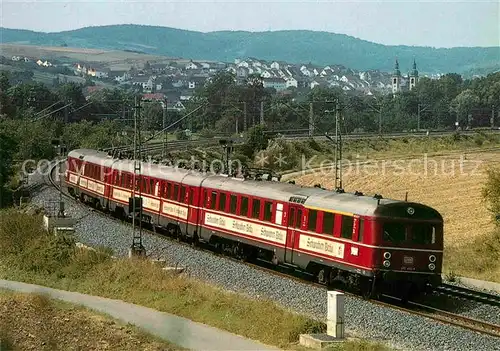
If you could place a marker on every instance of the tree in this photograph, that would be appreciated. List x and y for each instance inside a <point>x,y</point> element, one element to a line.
<point>491,191</point>
<point>257,140</point>
<point>152,116</point>
<point>463,104</point>
<point>33,96</point>
<point>6,107</point>
<point>8,146</point>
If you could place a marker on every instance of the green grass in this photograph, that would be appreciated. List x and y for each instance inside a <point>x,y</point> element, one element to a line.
<point>28,254</point>
<point>55,324</point>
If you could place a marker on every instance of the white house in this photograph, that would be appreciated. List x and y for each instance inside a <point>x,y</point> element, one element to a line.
<point>291,82</point>
<point>266,74</point>
<point>275,65</point>
<point>305,71</point>
<point>314,84</point>
<point>243,64</point>
<point>277,83</point>
<point>191,65</point>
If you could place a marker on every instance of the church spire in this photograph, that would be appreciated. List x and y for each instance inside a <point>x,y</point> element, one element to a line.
<point>397,72</point>
<point>413,75</point>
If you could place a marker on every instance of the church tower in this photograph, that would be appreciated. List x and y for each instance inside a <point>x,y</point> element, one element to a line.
<point>413,76</point>
<point>396,79</point>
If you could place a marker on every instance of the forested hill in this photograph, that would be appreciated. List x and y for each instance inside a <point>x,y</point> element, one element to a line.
<point>293,46</point>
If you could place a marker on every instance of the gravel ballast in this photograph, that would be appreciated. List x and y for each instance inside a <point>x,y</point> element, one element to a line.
<point>363,319</point>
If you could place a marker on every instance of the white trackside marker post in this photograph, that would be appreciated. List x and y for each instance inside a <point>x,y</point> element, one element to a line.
<point>335,317</point>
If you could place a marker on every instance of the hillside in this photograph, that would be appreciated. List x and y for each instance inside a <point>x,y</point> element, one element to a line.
<point>294,46</point>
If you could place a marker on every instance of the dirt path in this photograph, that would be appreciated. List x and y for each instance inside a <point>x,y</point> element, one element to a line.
<point>177,330</point>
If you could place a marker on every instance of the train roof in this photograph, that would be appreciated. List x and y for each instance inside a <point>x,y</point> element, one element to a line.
<point>314,198</point>
<point>347,202</point>
<point>273,190</point>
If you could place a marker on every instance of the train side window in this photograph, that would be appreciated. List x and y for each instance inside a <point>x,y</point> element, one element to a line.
<point>191,196</point>
<point>423,234</point>
<point>347,225</point>
<point>232,204</point>
<point>222,202</point>
<point>175,194</point>
<point>328,222</point>
<point>268,211</point>
<point>298,223</point>
<point>168,190</point>
<point>291,217</point>
<point>152,187</point>
<point>183,194</point>
<point>361,229</point>
<point>213,200</point>
<point>244,206</point>
<point>255,208</point>
<point>313,219</point>
<point>394,232</point>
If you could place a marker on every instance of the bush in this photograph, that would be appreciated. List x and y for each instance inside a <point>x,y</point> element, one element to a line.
<point>206,133</point>
<point>181,135</point>
<point>479,139</point>
<point>491,191</point>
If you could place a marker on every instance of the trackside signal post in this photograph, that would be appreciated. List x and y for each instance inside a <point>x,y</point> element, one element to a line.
<point>135,202</point>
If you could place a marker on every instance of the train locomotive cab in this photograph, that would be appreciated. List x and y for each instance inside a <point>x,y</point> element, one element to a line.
<point>409,257</point>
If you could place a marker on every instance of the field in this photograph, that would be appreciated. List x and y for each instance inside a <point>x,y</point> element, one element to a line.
<point>35,322</point>
<point>451,183</point>
<point>114,60</point>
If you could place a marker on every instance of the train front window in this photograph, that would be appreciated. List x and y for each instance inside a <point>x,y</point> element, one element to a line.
<point>394,232</point>
<point>423,234</point>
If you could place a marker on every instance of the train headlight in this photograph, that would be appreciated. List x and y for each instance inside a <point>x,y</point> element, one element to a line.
<point>387,255</point>
<point>432,258</point>
<point>387,264</point>
<point>432,266</point>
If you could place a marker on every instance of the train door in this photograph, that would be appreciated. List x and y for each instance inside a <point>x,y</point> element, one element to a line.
<point>294,222</point>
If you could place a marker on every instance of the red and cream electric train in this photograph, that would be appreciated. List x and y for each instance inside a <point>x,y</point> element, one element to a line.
<point>363,241</point>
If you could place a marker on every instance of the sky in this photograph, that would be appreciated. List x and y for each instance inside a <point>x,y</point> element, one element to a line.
<point>442,23</point>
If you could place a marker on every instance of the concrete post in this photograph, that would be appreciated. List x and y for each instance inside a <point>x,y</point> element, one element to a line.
<point>335,316</point>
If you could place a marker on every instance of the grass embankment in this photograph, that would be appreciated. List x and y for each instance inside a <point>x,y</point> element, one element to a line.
<point>28,254</point>
<point>35,322</point>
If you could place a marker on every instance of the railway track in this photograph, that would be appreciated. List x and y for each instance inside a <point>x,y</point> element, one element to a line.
<point>468,294</point>
<point>410,307</point>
